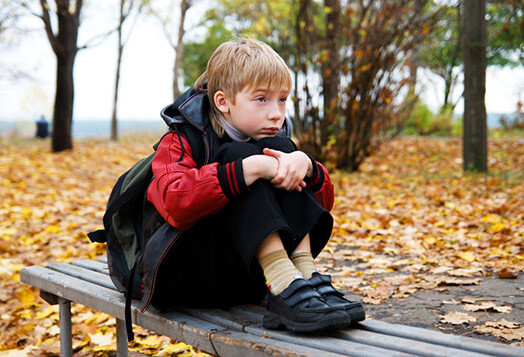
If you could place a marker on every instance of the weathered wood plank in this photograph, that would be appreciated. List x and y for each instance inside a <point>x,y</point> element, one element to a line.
<point>111,302</point>
<point>400,344</point>
<point>83,274</point>
<point>92,265</point>
<point>230,343</point>
<point>227,318</point>
<point>324,342</point>
<point>439,338</point>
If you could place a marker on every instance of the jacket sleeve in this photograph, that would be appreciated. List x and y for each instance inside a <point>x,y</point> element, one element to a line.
<point>183,193</point>
<point>320,184</point>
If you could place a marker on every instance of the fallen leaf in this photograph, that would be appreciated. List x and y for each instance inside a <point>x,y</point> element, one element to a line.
<point>507,334</point>
<point>451,302</point>
<point>457,318</point>
<point>507,274</point>
<point>486,306</point>
<point>502,323</point>
<point>371,301</point>
<point>101,339</point>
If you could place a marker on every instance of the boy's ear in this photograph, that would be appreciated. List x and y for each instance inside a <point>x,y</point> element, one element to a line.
<point>221,102</point>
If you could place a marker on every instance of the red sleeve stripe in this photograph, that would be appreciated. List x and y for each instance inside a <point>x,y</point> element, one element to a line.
<point>237,190</point>
<point>228,169</point>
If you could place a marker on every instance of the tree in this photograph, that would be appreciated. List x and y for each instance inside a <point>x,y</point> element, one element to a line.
<point>126,7</point>
<point>348,61</point>
<point>441,52</point>
<point>167,20</point>
<point>64,45</point>
<point>475,144</point>
<point>505,24</point>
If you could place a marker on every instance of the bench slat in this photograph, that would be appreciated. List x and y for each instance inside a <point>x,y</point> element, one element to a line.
<point>325,343</point>
<point>92,265</point>
<point>230,319</point>
<point>246,345</point>
<point>439,338</point>
<point>84,274</point>
<point>401,344</point>
<point>186,328</point>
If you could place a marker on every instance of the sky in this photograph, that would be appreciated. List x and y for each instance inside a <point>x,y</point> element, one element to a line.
<point>146,77</point>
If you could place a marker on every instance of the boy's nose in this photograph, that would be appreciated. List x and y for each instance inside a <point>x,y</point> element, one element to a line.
<point>274,111</point>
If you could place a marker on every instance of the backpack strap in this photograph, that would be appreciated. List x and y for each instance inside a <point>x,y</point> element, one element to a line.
<point>127,307</point>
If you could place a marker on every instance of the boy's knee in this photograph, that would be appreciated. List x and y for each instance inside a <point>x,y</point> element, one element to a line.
<point>280,143</point>
<point>229,152</point>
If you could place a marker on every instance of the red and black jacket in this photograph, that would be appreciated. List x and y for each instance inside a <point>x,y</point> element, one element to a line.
<point>184,190</point>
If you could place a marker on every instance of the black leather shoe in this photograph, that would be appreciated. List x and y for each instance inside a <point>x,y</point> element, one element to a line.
<point>300,308</point>
<point>335,298</point>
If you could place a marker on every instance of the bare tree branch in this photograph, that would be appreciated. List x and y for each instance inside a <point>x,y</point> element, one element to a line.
<point>55,44</point>
<point>97,40</point>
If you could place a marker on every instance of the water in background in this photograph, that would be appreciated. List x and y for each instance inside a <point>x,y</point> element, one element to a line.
<point>101,129</point>
<point>84,129</point>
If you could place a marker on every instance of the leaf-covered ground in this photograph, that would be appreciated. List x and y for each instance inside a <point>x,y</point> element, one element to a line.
<point>409,221</point>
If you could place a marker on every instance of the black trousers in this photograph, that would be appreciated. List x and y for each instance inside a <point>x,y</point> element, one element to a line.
<point>214,264</point>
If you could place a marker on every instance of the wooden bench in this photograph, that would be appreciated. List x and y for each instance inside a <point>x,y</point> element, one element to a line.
<point>238,331</point>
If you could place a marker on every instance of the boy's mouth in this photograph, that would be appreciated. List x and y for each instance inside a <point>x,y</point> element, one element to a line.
<point>272,131</point>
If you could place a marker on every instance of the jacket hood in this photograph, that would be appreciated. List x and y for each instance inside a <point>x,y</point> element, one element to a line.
<point>193,107</point>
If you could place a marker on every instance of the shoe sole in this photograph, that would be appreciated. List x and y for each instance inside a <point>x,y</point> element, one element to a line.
<point>356,313</point>
<point>277,322</point>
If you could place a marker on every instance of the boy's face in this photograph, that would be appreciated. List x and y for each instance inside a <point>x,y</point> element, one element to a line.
<point>258,112</point>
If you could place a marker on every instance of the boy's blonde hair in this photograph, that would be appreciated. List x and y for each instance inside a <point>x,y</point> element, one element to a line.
<point>242,63</point>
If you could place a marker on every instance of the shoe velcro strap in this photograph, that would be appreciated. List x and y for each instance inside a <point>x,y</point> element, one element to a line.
<point>328,289</point>
<point>320,279</point>
<point>294,286</point>
<point>300,296</point>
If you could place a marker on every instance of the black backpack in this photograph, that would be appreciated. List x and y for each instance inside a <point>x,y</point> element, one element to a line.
<point>129,219</point>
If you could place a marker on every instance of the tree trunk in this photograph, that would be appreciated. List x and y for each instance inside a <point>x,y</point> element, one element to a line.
<point>63,111</point>
<point>65,48</point>
<point>114,122</point>
<point>475,150</point>
<point>179,50</point>
<point>68,24</point>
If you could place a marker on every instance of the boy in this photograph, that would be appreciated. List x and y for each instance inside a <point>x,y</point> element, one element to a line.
<point>247,205</point>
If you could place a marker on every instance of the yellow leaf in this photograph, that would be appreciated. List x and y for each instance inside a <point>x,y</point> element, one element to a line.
<point>151,341</point>
<point>499,227</point>
<point>45,313</point>
<point>467,256</point>
<point>52,229</point>
<point>26,296</point>
<point>172,349</point>
<point>491,218</point>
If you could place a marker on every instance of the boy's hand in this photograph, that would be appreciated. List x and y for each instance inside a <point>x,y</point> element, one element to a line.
<point>292,168</point>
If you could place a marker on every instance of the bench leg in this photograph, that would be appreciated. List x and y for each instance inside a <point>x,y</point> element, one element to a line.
<point>121,338</point>
<point>66,337</point>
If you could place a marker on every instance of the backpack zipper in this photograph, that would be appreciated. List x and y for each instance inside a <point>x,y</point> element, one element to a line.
<point>153,283</point>
<point>206,145</point>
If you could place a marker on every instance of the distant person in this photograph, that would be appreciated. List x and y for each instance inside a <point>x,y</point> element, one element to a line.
<point>252,211</point>
<point>42,128</point>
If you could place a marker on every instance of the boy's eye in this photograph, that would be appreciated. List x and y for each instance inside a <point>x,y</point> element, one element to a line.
<point>260,99</point>
<point>283,100</point>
